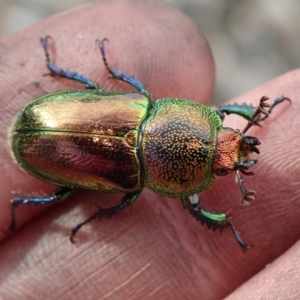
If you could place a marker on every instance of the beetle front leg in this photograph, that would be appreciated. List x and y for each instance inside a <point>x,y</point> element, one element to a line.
<point>120,75</point>
<point>59,194</point>
<point>249,112</point>
<point>56,71</point>
<point>273,104</point>
<point>212,220</point>
<point>261,112</point>
<point>126,201</point>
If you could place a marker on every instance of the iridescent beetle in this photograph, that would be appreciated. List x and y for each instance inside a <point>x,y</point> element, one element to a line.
<point>114,141</point>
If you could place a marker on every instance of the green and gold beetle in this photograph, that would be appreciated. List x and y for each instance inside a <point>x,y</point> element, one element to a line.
<point>114,141</point>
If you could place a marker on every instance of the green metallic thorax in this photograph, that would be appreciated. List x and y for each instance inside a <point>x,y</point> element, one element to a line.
<point>178,146</point>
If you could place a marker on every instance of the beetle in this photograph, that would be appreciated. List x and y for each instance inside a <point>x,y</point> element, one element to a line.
<point>114,141</point>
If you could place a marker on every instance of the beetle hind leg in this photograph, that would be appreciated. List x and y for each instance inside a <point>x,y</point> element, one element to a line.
<point>212,220</point>
<point>126,201</point>
<point>118,74</point>
<point>56,71</point>
<point>59,194</point>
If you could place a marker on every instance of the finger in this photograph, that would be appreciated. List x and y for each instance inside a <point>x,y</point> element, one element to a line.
<point>279,280</point>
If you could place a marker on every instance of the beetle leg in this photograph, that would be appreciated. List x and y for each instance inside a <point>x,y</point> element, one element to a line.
<point>212,220</point>
<point>261,113</point>
<point>126,201</point>
<point>273,104</point>
<point>56,71</point>
<point>244,110</point>
<point>59,194</point>
<point>249,112</point>
<point>118,74</point>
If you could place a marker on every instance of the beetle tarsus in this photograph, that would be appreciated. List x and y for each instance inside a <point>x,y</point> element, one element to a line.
<point>273,104</point>
<point>59,194</point>
<point>78,226</point>
<point>263,111</point>
<point>213,221</point>
<point>239,239</point>
<point>118,74</point>
<point>44,42</point>
<point>56,71</point>
<point>99,214</point>
<point>126,201</point>
<point>260,110</point>
<point>248,197</point>
<point>254,115</point>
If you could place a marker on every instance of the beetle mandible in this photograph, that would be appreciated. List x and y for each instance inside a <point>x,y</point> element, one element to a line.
<point>116,141</point>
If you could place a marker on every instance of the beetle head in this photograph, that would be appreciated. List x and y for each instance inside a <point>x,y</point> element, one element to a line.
<point>233,152</point>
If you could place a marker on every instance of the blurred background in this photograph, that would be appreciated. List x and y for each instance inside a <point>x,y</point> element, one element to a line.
<point>252,41</point>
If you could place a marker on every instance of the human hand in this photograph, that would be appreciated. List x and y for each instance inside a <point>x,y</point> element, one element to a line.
<point>155,248</point>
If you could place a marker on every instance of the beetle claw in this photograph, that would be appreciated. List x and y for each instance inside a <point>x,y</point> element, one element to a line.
<point>245,202</point>
<point>248,197</point>
<point>15,193</point>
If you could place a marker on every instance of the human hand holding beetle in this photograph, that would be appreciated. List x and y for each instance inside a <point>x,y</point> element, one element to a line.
<point>154,225</point>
